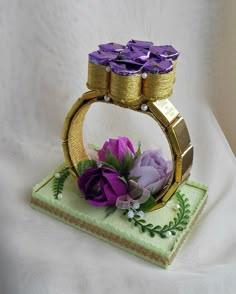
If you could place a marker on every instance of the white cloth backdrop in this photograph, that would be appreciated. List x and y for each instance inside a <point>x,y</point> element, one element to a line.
<point>43,68</point>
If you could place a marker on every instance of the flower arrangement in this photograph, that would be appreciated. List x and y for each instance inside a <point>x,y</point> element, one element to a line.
<point>117,176</point>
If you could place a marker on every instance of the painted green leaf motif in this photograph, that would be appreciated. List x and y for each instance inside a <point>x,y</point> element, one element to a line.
<point>179,222</point>
<point>58,182</point>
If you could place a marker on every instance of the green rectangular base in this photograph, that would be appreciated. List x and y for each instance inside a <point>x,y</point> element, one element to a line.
<point>116,229</point>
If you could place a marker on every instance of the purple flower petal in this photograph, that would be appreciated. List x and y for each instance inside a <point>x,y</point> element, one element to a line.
<point>139,44</point>
<point>118,148</point>
<point>103,58</point>
<point>158,66</point>
<point>136,55</point>
<point>164,52</point>
<point>152,170</point>
<point>111,47</point>
<point>125,68</point>
<point>101,186</point>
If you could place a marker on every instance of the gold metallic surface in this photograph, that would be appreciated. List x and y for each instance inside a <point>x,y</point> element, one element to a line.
<point>131,89</point>
<point>187,160</point>
<point>158,86</point>
<point>170,192</point>
<point>179,135</point>
<point>98,77</point>
<point>164,110</point>
<point>75,136</point>
<point>126,89</point>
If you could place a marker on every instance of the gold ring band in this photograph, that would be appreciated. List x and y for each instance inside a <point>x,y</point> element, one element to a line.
<point>162,111</point>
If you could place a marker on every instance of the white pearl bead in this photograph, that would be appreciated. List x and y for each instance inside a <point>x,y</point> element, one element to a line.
<point>108,69</point>
<point>144,75</point>
<point>59,196</point>
<point>57,175</point>
<point>176,206</point>
<point>144,107</point>
<point>107,98</point>
<point>168,234</point>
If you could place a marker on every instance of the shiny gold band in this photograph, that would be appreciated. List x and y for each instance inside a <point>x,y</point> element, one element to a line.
<point>162,111</point>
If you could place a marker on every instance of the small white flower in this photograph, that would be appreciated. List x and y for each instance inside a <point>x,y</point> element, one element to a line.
<point>140,213</point>
<point>130,214</point>
<point>136,205</point>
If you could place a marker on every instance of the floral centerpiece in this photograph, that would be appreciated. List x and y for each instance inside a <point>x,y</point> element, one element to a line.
<point>118,176</point>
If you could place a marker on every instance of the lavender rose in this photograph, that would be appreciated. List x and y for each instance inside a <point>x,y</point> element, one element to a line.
<point>101,186</point>
<point>118,148</point>
<point>151,170</point>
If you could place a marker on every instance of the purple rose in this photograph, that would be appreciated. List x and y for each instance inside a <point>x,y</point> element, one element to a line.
<point>101,186</point>
<point>118,148</point>
<point>152,170</point>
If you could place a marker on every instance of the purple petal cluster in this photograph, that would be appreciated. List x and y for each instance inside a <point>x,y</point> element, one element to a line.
<point>135,57</point>
<point>104,184</point>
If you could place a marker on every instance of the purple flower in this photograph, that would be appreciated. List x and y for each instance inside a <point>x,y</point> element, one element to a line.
<point>164,52</point>
<point>111,47</point>
<point>136,55</point>
<point>103,58</point>
<point>125,67</point>
<point>118,148</point>
<point>151,170</point>
<point>101,186</point>
<point>139,44</point>
<point>158,66</point>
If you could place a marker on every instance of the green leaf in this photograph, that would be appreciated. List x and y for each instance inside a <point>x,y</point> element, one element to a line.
<point>157,228</point>
<point>179,228</point>
<point>163,236</point>
<point>123,179</point>
<point>83,165</point>
<point>152,234</point>
<point>148,204</point>
<point>112,160</point>
<point>58,183</point>
<point>166,227</point>
<point>149,225</point>
<point>171,224</point>
<point>110,210</point>
<point>127,163</point>
<point>138,152</point>
<point>142,221</point>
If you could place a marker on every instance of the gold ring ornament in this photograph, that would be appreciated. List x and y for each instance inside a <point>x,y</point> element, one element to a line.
<point>140,77</point>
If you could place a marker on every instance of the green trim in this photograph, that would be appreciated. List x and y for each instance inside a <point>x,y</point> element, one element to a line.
<point>179,222</point>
